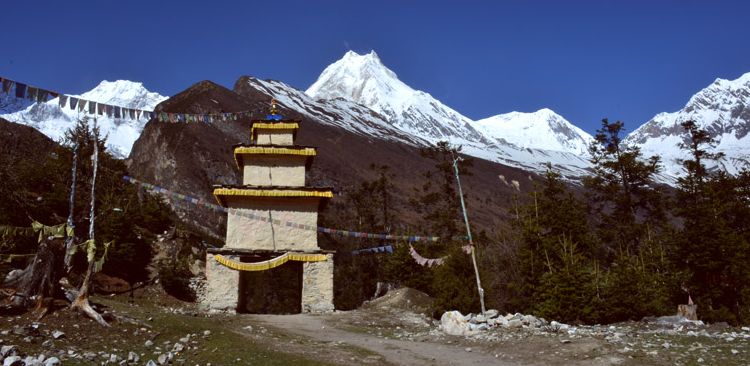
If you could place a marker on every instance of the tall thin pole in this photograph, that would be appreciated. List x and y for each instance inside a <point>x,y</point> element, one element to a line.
<point>69,239</point>
<point>95,163</point>
<point>468,233</point>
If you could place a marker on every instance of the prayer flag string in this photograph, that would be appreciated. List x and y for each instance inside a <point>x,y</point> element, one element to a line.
<point>250,215</point>
<point>40,95</point>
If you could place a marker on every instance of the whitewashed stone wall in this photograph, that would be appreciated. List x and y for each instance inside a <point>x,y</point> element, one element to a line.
<point>247,233</point>
<point>317,286</point>
<point>271,137</point>
<point>222,286</point>
<point>273,171</point>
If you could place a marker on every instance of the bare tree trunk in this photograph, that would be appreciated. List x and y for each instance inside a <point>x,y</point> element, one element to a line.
<point>35,285</point>
<point>81,302</point>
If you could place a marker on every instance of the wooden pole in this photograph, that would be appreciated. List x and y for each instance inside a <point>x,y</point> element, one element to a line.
<point>468,233</point>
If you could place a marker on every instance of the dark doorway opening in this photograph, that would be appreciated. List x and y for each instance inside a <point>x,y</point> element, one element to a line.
<point>274,291</point>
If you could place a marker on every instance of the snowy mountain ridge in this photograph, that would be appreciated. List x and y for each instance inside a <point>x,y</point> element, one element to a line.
<point>360,94</point>
<point>722,109</point>
<point>53,121</point>
<point>524,140</point>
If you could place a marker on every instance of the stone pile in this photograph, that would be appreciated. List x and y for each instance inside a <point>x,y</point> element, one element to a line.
<point>455,323</point>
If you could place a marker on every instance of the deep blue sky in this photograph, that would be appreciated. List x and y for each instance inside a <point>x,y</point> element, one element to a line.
<point>586,60</point>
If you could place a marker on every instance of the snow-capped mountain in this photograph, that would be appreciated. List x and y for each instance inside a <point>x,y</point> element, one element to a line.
<point>543,129</point>
<point>525,140</point>
<point>53,121</point>
<point>364,79</point>
<point>337,112</point>
<point>722,108</point>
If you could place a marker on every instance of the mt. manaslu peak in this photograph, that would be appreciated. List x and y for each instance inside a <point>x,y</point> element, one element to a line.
<point>513,139</point>
<point>364,79</point>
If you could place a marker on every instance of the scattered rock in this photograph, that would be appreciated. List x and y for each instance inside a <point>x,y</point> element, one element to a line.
<point>13,361</point>
<point>178,347</point>
<point>515,323</point>
<point>151,363</point>
<point>133,357</point>
<point>148,343</point>
<point>56,334</point>
<point>162,359</point>
<point>31,361</point>
<point>10,350</point>
<point>206,333</point>
<point>52,361</point>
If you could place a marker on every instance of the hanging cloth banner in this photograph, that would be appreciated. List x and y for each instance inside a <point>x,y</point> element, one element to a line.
<point>384,249</point>
<point>271,263</point>
<point>20,90</point>
<point>422,261</point>
<point>7,85</point>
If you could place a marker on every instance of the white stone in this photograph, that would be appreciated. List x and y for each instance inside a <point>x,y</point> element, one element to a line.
<point>453,323</point>
<point>133,357</point>
<point>13,361</point>
<point>52,361</point>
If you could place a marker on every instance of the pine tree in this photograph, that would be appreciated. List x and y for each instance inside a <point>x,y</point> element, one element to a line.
<point>621,190</point>
<point>713,247</point>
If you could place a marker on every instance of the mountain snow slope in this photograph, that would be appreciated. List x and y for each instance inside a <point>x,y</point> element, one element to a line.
<point>543,129</point>
<point>722,108</point>
<point>53,121</point>
<point>525,140</point>
<point>336,112</point>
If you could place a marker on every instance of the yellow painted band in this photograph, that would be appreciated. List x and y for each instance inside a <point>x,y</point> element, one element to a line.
<point>271,263</point>
<point>270,193</point>
<point>273,126</point>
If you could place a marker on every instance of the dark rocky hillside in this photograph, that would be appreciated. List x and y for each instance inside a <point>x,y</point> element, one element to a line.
<point>191,157</point>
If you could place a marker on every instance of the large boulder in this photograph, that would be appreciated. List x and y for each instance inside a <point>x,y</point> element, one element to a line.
<point>454,323</point>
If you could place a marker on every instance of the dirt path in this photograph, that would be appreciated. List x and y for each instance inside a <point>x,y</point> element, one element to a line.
<point>395,351</point>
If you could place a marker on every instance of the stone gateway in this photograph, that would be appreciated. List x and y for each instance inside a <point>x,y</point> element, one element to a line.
<point>271,261</point>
